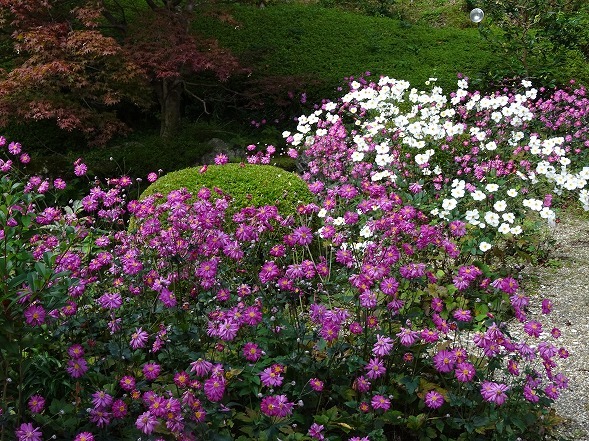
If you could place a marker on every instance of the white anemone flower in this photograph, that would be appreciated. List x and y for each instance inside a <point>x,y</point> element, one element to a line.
<point>449,204</point>
<point>492,218</point>
<point>500,205</point>
<point>383,160</point>
<point>533,204</point>
<point>485,246</point>
<point>542,167</point>
<point>564,161</point>
<point>457,192</point>
<point>421,158</point>
<point>491,145</point>
<point>535,150</point>
<point>472,216</point>
<point>560,179</point>
<point>329,107</point>
<point>478,195</point>
<point>297,138</point>
<point>508,217</point>
<point>504,228</point>
<point>547,213</point>
<point>572,183</point>
<point>365,231</point>
<point>584,173</point>
<point>382,148</point>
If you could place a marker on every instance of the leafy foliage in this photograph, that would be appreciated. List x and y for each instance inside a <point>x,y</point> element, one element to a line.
<point>72,71</point>
<point>331,44</point>
<point>539,36</point>
<point>159,41</point>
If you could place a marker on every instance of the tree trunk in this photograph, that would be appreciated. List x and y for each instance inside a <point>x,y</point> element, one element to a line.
<point>170,98</point>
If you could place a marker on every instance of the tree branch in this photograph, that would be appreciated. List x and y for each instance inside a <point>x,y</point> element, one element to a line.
<point>204,104</point>
<point>115,23</point>
<point>212,85</point>
<point>152,5</point>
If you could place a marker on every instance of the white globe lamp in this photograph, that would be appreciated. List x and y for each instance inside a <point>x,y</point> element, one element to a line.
<point>477,15</point>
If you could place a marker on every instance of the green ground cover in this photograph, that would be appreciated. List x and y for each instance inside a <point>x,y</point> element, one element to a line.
<point>330,44</point>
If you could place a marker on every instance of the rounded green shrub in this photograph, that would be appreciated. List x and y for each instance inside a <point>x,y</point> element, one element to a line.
<point>248,184</point>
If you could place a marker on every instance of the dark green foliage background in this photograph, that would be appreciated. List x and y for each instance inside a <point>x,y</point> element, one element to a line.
<point>296,47</point>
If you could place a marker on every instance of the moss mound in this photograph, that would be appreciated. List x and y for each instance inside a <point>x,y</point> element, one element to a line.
<point>248,184</point>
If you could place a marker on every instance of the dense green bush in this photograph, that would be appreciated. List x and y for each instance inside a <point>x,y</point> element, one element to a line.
<point>540,37</point>
<point>248,184</point>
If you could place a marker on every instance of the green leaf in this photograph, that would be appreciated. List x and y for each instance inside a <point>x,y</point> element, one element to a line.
<point>480,421</point>
<point>26,220</point>
<point>410,383</point>
<point>499,426</point>
<point>57,405</point>
<point>439,425</point>
<point>42,269</point>
<point>394,417</point>
<point>321,345</point>
<point>519,423</point>
<point>415,422</point>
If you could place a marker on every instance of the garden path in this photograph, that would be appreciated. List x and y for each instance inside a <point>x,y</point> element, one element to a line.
<point>565,281</point>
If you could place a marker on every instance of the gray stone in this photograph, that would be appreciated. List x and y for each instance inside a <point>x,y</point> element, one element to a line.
<point>218,146</point>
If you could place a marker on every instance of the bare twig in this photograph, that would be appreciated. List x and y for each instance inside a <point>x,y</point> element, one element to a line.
<point>204,104</point>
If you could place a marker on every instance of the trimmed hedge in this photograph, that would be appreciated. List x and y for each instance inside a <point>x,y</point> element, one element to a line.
<point>248,184</point>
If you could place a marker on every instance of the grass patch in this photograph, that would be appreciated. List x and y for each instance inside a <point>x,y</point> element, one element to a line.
<point>331,44</point>
<point>436,13</point>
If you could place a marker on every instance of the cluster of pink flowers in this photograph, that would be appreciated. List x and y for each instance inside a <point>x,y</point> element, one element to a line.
<point>276,406</point>
<point>261,156</point>
<point>369,281</point>
<point>77,365</point>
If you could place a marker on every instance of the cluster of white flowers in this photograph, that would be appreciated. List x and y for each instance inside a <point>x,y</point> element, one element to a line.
<point>394,114</point>
<point>379,176</point>
<point>584,198</point>
<point>538,205</point>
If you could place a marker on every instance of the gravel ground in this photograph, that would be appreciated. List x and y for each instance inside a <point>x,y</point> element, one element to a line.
<point>566,283</point>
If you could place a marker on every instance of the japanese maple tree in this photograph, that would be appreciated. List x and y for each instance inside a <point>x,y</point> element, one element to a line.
<point>77,61</point>
<point>65,70</point>
<point>159,39</point>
